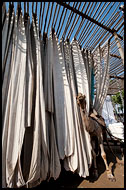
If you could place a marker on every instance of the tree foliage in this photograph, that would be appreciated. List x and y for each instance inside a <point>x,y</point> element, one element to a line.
<point>117,98</point>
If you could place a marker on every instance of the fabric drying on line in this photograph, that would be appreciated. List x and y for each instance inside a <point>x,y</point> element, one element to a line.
<point>116,128</point>
<point>108,111</point>
<point>13,123</point>
<point>47,57</point>
<point>101,70</point>
<point>81,158</point>
<point>41,118</point>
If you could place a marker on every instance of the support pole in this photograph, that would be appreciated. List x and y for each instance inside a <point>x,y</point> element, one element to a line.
<point>121,51</point>
<point>118,85</point>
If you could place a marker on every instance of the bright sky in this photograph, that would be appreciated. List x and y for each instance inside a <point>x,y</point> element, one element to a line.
<point>71,3</point>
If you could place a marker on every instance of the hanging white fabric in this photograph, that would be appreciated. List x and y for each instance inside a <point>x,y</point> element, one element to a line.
<point>13,124</point>
<point>7,67</point>
<point>101,66</point>
<point>29,77</point>
<point>81,159</point>
<point>54,160</point>
<point>40,85</point>
<point>107,111</point>
<point>88,62</point>
<point>80,71</point>
<point>62,101</point>
<point>116,128</point>
<point>4,38</point>
<point>39,159</point>
<point>3,13</point>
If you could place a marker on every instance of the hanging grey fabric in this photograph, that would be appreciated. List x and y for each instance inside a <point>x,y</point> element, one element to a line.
<point>46,119</point>
<point>4,38</point>
<point>80,72</point>
<point>41,118</point>
<point>3,13</point>
<point>47,56</point>
<point>62,101</point>
<point>29,95</point>
<point>39,158</point>
<point>101,66</point>
<point>13,123</point>
<point>6,61</point>
<point>81,159</point>
<point>89,65</point>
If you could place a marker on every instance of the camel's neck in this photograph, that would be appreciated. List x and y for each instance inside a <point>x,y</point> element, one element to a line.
<point>86,119</point>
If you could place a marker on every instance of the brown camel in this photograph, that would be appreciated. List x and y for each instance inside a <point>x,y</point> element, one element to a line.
<point>95,126</point>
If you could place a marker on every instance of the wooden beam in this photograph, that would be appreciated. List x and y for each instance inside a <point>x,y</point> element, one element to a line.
<point>117,77</point>
<point>121,51</point>
<point>89,18</point>
<point>113,55</point>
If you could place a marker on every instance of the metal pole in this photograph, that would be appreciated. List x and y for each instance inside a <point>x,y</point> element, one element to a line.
<point>121,51</point>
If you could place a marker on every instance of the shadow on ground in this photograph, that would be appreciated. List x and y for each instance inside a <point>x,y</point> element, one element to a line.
<point>69,180</point>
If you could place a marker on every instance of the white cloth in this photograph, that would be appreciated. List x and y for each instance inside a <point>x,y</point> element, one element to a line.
<point>81,159</point>
<point>7,67</point>
<point>62,101</point>
<point>41,117</point>
<point>13,123</point>
<point>54,160</point>
<point>88,62</point>
<point>3,12</point>
<point>117,130</point>
<point>29,77</point>
<point>107,111</point>
<point>80,72</point>
<point>39,158</point>
<point>101,66</point>
<point>4,39</point>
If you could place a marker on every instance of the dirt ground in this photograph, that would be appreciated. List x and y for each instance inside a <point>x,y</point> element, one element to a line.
<point>69,180</point>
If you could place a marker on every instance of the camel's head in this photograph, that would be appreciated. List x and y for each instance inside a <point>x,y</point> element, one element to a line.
<point>81,101</point>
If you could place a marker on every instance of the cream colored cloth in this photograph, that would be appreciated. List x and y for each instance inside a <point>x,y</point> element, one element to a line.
<point>101,66</point>
<point>62,101</point>
<point>13,123</point>
<point>81,159</point>
<point>54,160</point>
<point>41,119</point>
<point>7,57</point>
<point>82,84</point>
<point>40,153</point>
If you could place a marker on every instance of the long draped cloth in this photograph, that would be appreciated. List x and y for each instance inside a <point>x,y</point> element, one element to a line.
<point>40,153</point>
<point>14,118</point>
<point>6,61</point>
<point>101,70</point>
<point>89,66</point>
<point>47,57</point>
<point>81,159</point>
<point>40,114</point>
<point>3,13</point>
<point>82,84</point>
<point>62,103</point>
